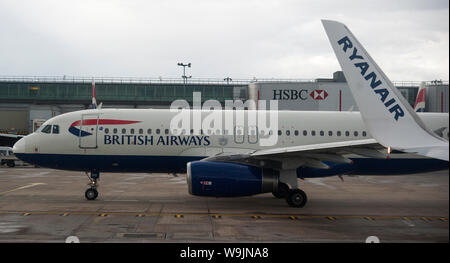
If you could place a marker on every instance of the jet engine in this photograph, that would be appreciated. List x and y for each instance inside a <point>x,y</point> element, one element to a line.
<point>222,179</point>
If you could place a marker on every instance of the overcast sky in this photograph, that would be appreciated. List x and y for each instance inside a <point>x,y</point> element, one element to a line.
<point>409,39</point>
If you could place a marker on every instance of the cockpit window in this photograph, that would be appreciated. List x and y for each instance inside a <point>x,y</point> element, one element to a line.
<point>55,129</point>
<point>47,129</point>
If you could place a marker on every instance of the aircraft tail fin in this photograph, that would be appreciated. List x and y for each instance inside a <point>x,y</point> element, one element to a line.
<point>419,106</point>
<point>385,112</point>
<point>94,100</point>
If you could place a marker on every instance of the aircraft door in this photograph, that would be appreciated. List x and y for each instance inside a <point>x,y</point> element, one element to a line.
<point>88,131</point>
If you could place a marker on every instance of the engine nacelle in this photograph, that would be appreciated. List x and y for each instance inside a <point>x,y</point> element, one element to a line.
<point>223,179</point>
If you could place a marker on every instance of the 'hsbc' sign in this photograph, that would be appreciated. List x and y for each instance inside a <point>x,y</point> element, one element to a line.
<point>292,94</point>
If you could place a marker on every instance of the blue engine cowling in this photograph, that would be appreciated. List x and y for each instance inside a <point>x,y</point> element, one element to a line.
<point>223,179</point>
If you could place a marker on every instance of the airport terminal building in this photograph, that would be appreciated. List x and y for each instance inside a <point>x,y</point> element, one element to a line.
<point>26,102</point>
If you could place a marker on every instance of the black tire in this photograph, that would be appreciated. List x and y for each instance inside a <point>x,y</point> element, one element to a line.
<point>11,164</point>
<point>277,195</point>
<point>282,192</point>
<point>91,194</point>
<point>296,198</point>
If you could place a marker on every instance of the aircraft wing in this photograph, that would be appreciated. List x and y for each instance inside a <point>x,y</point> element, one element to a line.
<point>311,155</point>
<point>15,136</point>
<point>9,139</point>
<point>385,112</point>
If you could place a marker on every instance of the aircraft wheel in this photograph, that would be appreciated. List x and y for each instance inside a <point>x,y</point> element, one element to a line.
<point>282,191</point>
<point>296,198</point>
<point>11,164</point>
<point>91,194</point>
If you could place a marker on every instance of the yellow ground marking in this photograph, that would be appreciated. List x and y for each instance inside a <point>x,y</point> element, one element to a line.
<point>22,187</point>
<point>257,216</point>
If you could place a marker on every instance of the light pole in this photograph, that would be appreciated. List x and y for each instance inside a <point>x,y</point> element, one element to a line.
<point>184,71</point>
<point>228,79</point>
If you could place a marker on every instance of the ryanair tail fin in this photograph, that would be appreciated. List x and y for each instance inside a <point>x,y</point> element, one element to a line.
<point>388,116</point>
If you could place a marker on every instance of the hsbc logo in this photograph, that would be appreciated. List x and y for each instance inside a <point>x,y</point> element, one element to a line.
<point>319,94</point>
<point>292,94</point>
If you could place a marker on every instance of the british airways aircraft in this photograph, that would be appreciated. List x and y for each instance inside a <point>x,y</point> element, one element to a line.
<point>386,137</point>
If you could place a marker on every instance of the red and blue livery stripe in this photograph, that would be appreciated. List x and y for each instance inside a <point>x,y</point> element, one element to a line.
<point>89,122</point>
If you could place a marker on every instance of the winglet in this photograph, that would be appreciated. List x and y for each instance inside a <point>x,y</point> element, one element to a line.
<point>388,116</point>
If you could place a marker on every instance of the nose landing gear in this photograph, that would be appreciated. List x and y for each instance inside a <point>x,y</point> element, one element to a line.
<point>92,193</point>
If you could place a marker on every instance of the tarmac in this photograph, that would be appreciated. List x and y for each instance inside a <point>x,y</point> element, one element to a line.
<point>46,205</point>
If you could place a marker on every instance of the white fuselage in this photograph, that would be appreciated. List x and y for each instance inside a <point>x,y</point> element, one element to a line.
<point>146,133</point>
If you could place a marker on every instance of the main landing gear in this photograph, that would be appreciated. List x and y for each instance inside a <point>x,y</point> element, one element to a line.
<point>92,193</point>
<point>288,189</point>
<point>294,197</point>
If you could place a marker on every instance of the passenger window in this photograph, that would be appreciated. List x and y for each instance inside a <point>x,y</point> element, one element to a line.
<point>279,133</point>
<point>166,131</point>
<point>124,131</point>
<point>288,132</point>
<point>55,129</point>
<point>330,133</point>
<point>149,131</point>
<point>347,133</point>
<point>338,133</point>
<point>305,133</point>
<point>47,129</point>
<point>364,134</point>
<point>141,131</point>
<point>115,130</point>
<point>322,133</point>
<point>296,133</point>
<point>313,133</point>
<point>355,133</point>
<point>106,130</point>
<point>132,131</point>
<point>158,131</point>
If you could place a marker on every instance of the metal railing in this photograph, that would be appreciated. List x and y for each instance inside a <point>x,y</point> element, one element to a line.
<point>143,80</point>
<point>160,80</point>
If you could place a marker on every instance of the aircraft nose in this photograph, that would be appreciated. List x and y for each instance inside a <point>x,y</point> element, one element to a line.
<point>19,146</point>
